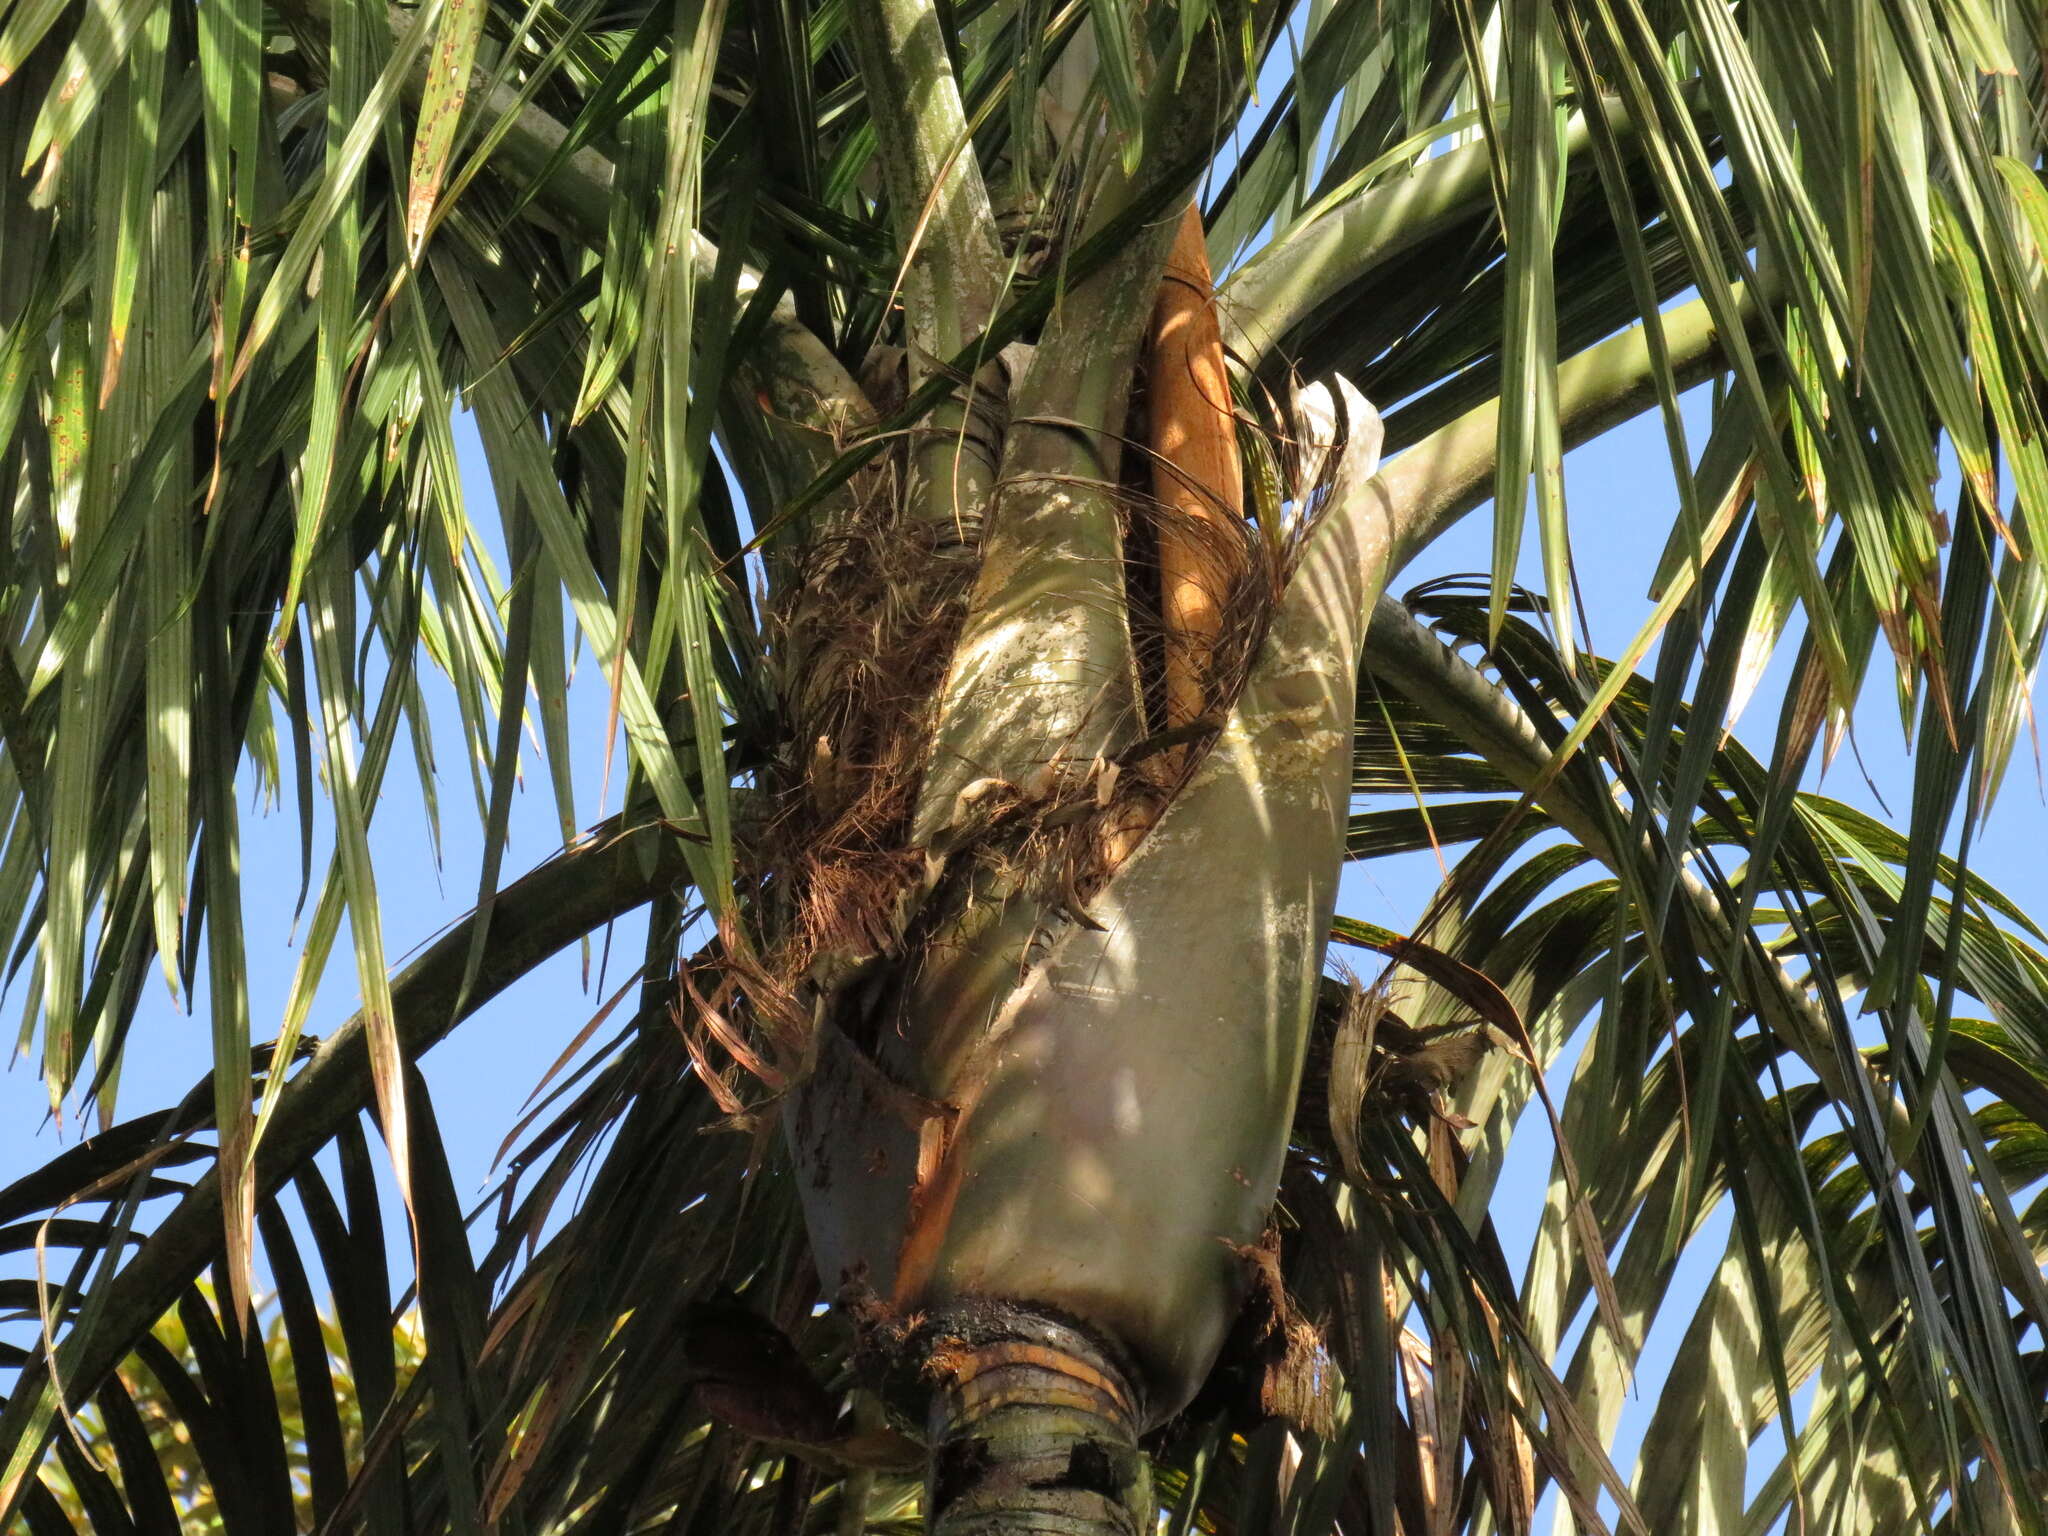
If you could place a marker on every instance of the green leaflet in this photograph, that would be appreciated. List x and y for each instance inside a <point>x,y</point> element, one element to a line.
<point>447,87</point>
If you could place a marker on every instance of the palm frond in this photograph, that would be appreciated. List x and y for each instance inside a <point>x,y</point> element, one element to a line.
<point>1703,983</point>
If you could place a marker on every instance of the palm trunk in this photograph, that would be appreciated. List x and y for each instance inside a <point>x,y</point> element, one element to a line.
<point>1054,1119</point>
<point>1046,1147</point>
<point>1033,1430</point>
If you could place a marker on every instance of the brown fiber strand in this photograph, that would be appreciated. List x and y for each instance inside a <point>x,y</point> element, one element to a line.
<point>1195,475</point>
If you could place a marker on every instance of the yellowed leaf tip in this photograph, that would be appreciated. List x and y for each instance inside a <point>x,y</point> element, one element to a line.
<point>110,372</point>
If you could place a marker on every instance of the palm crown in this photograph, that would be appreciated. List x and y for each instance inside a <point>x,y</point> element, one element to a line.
<point>811,347</point>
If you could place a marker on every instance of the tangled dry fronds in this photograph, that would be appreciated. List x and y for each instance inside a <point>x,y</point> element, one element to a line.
<point>865,629</point>
<point>860,630</point>
<point>1285,1354</point>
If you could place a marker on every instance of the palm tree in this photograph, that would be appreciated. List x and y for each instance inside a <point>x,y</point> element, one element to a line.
<point>992,560</point>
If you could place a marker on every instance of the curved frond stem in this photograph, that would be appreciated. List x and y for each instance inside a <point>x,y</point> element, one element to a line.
<point>1283,284</point>
<point>612,871</point>
<point>951,263</point>
<point>1322,256</point>
<point>1450,472</point>
<point>945,232</point>
<point>1402,652</point>
<point>1081,371</point>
